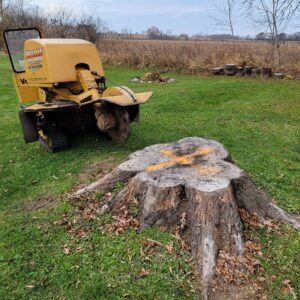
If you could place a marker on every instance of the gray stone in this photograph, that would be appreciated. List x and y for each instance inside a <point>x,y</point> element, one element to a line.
<point>135,79</point>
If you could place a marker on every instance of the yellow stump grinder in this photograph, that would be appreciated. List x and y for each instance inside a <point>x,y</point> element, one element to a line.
<point>61,86</point>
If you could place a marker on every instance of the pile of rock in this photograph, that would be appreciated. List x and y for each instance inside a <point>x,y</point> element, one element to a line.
<point>153,78</point>
<point>248,71</point>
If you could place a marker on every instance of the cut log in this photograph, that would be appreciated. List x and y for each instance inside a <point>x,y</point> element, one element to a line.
<point>193,185</point>
<point>230,69</point>
<point>248,70</point>
<point>255,72</point>
<point>240,72</point>
<point>278,75</point>
<point>152,77</point>
<point>217,71</point>
<point>266,72</point>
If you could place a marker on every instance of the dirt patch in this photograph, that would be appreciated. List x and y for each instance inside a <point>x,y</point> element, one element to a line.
<point>39,203</point>
<point>91,172</point>
<point>96,170</point>
<point>233,292</point>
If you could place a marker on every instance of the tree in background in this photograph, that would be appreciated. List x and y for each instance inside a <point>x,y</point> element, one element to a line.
<point>275,15</point>
<point>184,36</point>
<point>126,33</point>
<point>60,23</point>
<point>226,19</point>
<point>4,6</point>
<point>154,33</point>
<point>63,23</point>
<point>15,14</point>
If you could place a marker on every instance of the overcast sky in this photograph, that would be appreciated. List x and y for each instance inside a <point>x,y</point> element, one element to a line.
<point>188,16</point>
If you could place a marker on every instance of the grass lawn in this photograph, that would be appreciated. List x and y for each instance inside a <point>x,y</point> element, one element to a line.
<point>258,122</point>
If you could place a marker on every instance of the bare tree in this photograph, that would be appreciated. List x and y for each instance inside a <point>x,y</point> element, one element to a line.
<point>17,14</point>
<point>61,23</point>
<point>154,33</point>
<point>184,37</point>
<point>126,33</point>
<point>275,15</point>
<point>90,28</point>
<point>4,6</point>
<point>226,19</point>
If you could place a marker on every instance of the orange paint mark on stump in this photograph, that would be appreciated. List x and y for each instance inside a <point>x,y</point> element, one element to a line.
<point>207,170</point>
<point>185,160</point>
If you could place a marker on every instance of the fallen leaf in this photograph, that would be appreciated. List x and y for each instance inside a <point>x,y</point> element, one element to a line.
<point>162,229</point>
<point>286,281</point>
<point>155,242</point>
<point>67,250</point>
<point>143,273</point>
<point>261,279</point>
<point>288,288</point>
<point>32,264</point>
<point>169,247</point>
<point>142,253</point>
<point>285,290</point>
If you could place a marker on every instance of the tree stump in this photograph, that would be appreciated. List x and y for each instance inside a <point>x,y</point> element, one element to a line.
<point>217,71</point>
<point>152,77</point>
<point>266,72</point>
<point>278,75</point>
<point>240,72</point>
<point>248,70</point>
<point>193,185</point>
<point>230,69</point>
<point>255,72</point>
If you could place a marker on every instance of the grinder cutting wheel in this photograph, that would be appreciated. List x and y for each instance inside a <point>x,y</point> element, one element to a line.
<point>61,86</point>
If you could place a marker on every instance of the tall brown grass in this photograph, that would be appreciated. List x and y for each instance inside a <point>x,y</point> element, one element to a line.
<point>195,57</point>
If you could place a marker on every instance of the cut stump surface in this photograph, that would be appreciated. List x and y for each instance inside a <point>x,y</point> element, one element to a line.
<point>194,185</point>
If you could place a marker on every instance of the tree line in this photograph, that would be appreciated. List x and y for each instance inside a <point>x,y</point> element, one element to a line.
<point>271,17</point>
<point>59,23</point>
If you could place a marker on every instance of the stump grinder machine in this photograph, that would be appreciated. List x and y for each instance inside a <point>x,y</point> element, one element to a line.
<point>61,86</point>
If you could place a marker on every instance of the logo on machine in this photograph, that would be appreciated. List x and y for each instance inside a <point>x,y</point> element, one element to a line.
<point>34,59</point>
<point>23,81</point>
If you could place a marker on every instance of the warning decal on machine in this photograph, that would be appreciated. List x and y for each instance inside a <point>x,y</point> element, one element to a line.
<point>34,59</point>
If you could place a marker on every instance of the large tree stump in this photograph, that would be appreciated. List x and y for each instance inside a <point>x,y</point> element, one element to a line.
<point>192,184</point>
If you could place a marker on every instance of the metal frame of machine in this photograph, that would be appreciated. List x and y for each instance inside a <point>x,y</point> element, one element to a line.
<point>63,92</point>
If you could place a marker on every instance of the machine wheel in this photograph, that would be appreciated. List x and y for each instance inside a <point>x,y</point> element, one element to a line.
<point>52,138</point>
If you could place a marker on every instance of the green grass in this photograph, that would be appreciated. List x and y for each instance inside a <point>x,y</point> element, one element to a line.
<point>258,122</point>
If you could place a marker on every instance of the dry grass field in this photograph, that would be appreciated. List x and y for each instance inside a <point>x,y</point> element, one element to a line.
<point>196,57</point>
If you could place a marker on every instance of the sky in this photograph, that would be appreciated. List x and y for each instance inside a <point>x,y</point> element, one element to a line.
<point>179,16</point>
